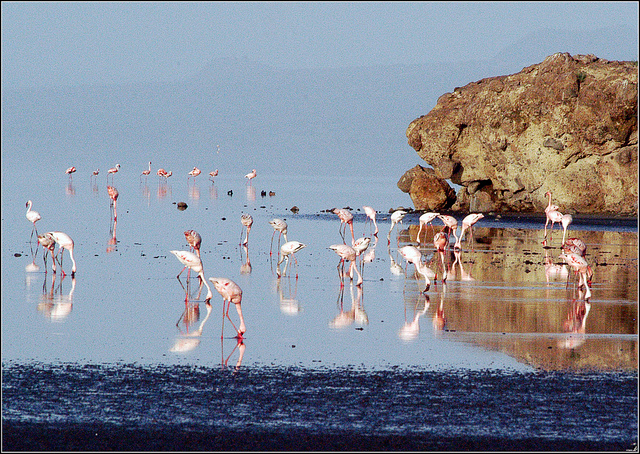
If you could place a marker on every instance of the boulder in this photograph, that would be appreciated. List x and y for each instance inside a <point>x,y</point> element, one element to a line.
<point>566,125</point>
<point>428,192</point>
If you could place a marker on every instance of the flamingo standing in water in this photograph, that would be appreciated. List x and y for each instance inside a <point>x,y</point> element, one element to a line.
<point>193,262</point>
<point>278,225</point>
<point>346,218</point>
<point>575,245</point>
<point>250,176</point>
<point>213,174</point>
<point>425,219</point>
<point>33,217</point>
<point>247,222</point>
<point>95,173</point>
<point>566,220</point>
<point>64,242</point>
<point>194,173</point>
<point>450,222</point>
<point>555,217</point>
<point>112,171</point>
<point>113,194</point>
<point>194,240</point>
<point>371,217</point>
<point>231,293</point>
<point>69,171</point>
<point>579,265</point>
<point>441,244</point>
<point>146,173</point>
<point>48,243</point>
<point>349,254</point>
<point>468,223</point>
<point>396,217</point>
<point>287,249</point>
<point>413,255</point>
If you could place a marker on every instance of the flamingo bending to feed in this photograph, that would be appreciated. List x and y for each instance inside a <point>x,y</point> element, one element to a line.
<point>396,217</point>
<point>346,218</point>
<point>64,242</point>
<point>413,255</point>
<point>69,171</point>
<point>231,293</point>
<point>193,262</point>
<point>247,222</point>
<point>566,220</point>
<point>287,249</point>
<point>48,243</point>
<point>278,226</point>
<point>250,176</point>
<point>146,172</point>
<point>580,265</point>
<point>371,217</point>
<point>33,217</point>
<point>575,245</point>
<point>194,240</point>
<point>450,222</point>
<point>349,254</point>
<point>468,223</point>
<point>425,219</point>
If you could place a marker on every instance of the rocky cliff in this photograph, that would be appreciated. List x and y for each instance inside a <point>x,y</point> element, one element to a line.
<point>567,125</point>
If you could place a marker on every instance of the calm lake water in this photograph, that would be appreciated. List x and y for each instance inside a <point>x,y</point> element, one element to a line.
<point>506,311</point>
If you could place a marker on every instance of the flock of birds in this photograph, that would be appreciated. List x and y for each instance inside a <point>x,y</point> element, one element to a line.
<point>573,249</point>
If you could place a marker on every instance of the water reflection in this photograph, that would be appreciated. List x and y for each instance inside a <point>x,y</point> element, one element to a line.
<point>288,301</point>
<point>439,320</point>
<point>190,339</point>
<point>411,327</point>
<point>194,192</point>
<point>356,312</point>
<point>213,191</point>
<point>575,323</point>
<point>246,267</point>
<point>241,347</point>
<point>71,189</point>
<point>54,304</point>
<point>251,193</point>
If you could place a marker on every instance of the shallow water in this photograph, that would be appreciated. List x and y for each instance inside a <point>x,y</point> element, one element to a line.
<point>502,311</point>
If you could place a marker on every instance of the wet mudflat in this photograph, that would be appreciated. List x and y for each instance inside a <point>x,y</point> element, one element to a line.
<point>505,354</point>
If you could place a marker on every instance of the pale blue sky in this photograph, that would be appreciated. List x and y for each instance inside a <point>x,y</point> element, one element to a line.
<point>52,43</point>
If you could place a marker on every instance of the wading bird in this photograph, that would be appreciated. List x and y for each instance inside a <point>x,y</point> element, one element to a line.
<point>213,174</point>
<point>146,173</point>
<point>575,245</point>
<point>346,253</point>
<point>278,225</point>
<point>194,240</point>
<point>48,243</point>
<point>468,223</point>
<point>250,176</point>
<point>287,249</point>
<point>69,171</point>
<point>94,174</point>
<point>64,242</point>
<point>371,217</point>
<point>247,222</point>
<point>194,173</point>
<point>413,255</point>
<point>396,217</point>
<point>441,244</point>
<point>112,171</point>
<point>113,194</point>
<point>33,217</point>
<point>580,265</point>
<point>346,218</point>
<point>193,262</point>
<point>425,219</point>
<point>231,293</point>
<point>450,222</point>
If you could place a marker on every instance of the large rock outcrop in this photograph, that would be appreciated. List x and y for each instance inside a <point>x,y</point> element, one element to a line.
<point>567,125</point>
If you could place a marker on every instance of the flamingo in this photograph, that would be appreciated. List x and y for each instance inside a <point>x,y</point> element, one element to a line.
<point>396,217</point>
<point>112,171</point>
<point>579,265</point>
<point>69,171</point>
<point>33,217</point>
<point>278,226</point>
<point>194,239</point>
<point>287,249</point>
<point>555,217</point>
<point>113,193</point>
<point>468,223</point>
<point>371,216</point>
<point>566,220</point>
<point>550,207</point>
<point>413,255</point>
<point>95,173</point>
<point>64,242</point>
<point>213,174</point>
<point>575,245</point>
<point>441,244</point>
<point>194,173</point>
<point>250,176</point>
<point>231,293</point>
<point>48,243</point>
<point>161,173</point>
<point>346,218</point>
<point>450,222</point>
<point>424,219</point>
<point>247,222</point>
<point>193,262</point>
<point>146,172</point>
<point>349,254</point>
<point>361,245</point>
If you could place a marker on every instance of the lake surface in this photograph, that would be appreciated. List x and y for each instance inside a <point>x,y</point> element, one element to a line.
<point>506,313</point>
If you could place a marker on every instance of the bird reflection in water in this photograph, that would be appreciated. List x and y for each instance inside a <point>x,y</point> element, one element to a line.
<point>575,323</point>
<point>411,328</point>
<point>245,268</point>
<point>71,189</point>
<point>395,268</point>
<point>464,274</point>
<point>48,243</point>
<point>554,271</point>
<point>189,340</point>
<point>194,192</point>
<point>355,314</point>
<point>164,189</point>
<point>55,305</point>
<point>439,320</point>
<point>146,192</point>
<point>112,244</point>
<point>288,302</point>
<point>213,191</point>
<point>241,347</point>
<point>251,193</point>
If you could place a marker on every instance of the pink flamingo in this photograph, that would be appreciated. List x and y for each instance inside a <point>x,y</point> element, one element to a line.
<point>95,173</point>
<point>250,176</point>
<point>231,293</point>
<point>413,255</point>
<point>64,242</point>
<point>69,171</point>
<point>112,171</point>
<point>396,217</point>
<point>575,245</point>
<point>213,174</point>
<point>278,225</point>
<point>425,219</point>
<point>441,244</point>
<point>146,173</point>
<point>113,193</point>
<point>579,265</point>
<point>247,222</point>
<point>193,262</point>
<point>450,222</point>
<point>347,253</point>
<point>468,223</point>
<point>194,173</point>
<point>33,217</point>
<point>194,240</point>
<point>555,217</point>
<point>346,218</point>
<point>48,243</point>
<point>371,217</point>
<point>287,249</point>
